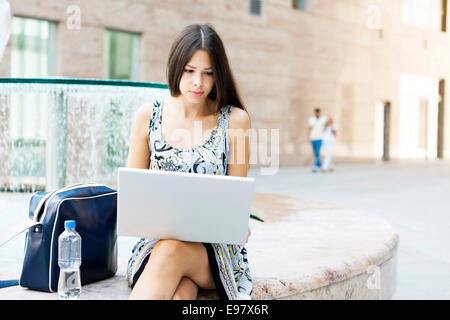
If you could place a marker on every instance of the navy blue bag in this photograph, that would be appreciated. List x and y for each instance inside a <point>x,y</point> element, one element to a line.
<point>94,208</point>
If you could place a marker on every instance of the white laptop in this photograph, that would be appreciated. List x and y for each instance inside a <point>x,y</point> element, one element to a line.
<point>183,206</point>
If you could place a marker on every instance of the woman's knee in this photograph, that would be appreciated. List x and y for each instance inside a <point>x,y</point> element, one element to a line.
<point>172,249</point>
<point>190,259</point>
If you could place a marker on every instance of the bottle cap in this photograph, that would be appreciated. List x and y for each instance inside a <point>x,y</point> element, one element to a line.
<point>69,224</point>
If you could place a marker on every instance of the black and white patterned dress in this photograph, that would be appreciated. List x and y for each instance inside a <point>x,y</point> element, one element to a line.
<point>228,263</point>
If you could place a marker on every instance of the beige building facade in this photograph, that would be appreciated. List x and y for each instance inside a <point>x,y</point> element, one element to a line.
<point>379,68</point>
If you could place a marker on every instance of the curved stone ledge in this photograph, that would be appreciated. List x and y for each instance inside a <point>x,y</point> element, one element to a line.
<point>317,250</point>
<point>305,249</point>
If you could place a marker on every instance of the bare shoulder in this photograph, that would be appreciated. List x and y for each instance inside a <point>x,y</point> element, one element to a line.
<point>141,121</point>
<point>139,152</point>
<point>239,119</point>
<point>144,112</point>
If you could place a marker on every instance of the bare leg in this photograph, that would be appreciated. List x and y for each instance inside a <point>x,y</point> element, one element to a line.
<point>187,290</point>
<point>169,262</point>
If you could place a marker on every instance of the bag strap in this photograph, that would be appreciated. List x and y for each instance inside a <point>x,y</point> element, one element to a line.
<point>13,231</point>
<point>8,283</point>
<point>10,232</point>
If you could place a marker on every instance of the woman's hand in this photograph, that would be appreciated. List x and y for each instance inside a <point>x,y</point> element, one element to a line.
<point>248,234</point>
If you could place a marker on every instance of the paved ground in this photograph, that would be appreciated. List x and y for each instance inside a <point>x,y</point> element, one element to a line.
<point>412,195</point>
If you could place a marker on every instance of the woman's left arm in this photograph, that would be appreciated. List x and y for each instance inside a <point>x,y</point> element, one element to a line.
<point>238,139</point>
<point>239,144</point>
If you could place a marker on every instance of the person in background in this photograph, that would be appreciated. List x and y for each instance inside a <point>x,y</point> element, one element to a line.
<point>328,139</point>
<point>316,129</point>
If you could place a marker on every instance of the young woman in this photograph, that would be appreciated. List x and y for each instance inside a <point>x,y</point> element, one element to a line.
<point>329,137</point>
<point>165,135</point>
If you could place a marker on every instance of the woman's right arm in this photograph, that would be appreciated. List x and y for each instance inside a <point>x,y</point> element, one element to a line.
<point>139,152</point>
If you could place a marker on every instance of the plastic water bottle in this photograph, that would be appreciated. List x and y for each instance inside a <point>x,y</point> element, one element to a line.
<point>69,261</point>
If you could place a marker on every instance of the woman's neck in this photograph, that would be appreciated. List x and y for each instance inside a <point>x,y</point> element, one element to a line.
<point>193,110</point>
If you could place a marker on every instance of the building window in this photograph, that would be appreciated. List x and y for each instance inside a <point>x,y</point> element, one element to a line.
<point>299,4</point>
<point>121,55</point>
<point>121,63</point>
<point>32,56</point>
<point>425,14</point>
<point>33,48</point>
<point>255,7</point>
<point>444,16</point>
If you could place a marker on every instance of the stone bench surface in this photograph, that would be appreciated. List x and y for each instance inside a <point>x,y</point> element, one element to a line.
<point>305,249</point>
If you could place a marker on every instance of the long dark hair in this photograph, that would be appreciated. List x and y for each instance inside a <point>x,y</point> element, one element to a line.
<point>203,37</point>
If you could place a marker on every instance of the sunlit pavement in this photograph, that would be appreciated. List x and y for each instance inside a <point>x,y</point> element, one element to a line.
<point>412,195</point>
